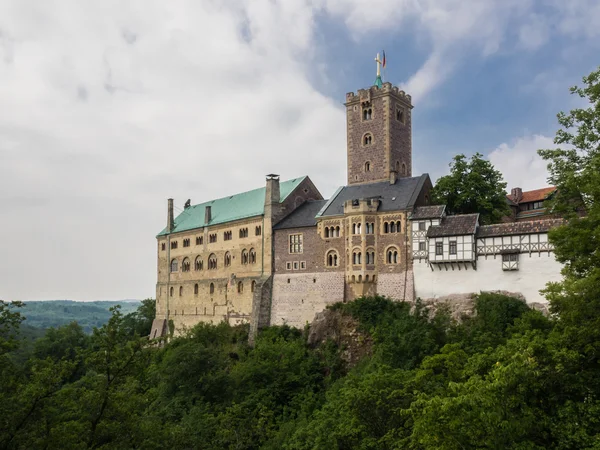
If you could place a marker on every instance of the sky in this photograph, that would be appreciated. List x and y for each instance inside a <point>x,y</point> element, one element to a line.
<point>108,108</point>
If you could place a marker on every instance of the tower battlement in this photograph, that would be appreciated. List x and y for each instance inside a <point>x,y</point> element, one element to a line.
<point>374,91</point>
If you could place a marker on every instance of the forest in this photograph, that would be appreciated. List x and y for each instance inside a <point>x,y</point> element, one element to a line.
<point>505,377</point>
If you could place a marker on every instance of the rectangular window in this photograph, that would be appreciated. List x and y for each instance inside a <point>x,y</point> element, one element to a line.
<point>173,245</point>
<point>422,246</point>
<point>295,265</point>
<point>198,240</point>
<point>303,265</point>
<point>439,248</point>
<point>186,242</point>
<point>510,261</point>
<point>163,246</point>
<point>421,226</point>
<point>288,265</point>
<point>295,243</point>
<point>212,238</point>
<point>510,257</point>
<point>453,247</point>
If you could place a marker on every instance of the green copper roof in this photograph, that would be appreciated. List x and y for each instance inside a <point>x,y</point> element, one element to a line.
<point>228,209</point>
<point>378,82</point>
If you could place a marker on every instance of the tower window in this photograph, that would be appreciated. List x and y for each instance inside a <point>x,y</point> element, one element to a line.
<point>163,246</point>
<point>392,256</point>
<point>400,114</point>
<point>367,166</point>
<point>332,258</point>
<point>403,169</point>
<point>367,113</point>
<point>212,288</point>
<point>196,289</point>
<point>367,139</point>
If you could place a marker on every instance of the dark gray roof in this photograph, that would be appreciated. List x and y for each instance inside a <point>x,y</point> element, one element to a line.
<point>524,227</point>
<point>393,197</point>
<point>303,216</point>
<point>428,212</point>
<point>455,226</point>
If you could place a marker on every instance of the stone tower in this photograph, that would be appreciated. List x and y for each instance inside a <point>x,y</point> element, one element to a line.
<point>379,134</point>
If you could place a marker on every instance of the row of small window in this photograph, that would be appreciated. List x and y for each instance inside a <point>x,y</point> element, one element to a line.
<point>388,227</point>
<point>212,238</point>
<point>248,257</point>
<point>367,113</point>
<point>295,265</point>
<point>211,289</point>
<point>533,205</point>
<point>391,257</point>
<point>439,248</point>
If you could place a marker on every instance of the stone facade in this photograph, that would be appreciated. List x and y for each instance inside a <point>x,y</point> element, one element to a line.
<point>230,292</point>
<point>379,132</point>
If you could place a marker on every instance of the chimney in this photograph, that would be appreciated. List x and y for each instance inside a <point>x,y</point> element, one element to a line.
<point>170,219</point>
<point>207,215</point>
<point>516,194</point>
<point>393,176</point>
<point>272,190</point>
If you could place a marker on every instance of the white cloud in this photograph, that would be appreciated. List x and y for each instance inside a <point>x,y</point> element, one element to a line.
<point>107,110</point>
<point>520,164</point>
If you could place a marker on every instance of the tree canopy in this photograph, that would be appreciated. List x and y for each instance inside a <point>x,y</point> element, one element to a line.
<point>473,186</point>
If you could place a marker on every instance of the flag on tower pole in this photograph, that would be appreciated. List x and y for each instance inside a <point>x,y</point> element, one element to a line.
<point>383,59</point>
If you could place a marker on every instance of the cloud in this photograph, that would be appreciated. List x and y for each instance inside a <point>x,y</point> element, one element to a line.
<point>519,162</point>
<point>108,110</point>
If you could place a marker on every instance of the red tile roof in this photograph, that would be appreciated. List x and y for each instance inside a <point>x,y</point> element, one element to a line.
<point>536,195</point>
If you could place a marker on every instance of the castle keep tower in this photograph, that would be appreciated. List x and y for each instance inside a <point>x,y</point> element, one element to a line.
<point>379,134</point>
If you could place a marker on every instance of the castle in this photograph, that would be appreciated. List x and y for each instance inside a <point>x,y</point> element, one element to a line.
<point>281,253</point>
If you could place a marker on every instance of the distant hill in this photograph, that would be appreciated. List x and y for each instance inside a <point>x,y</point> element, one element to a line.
<point>54,313</point>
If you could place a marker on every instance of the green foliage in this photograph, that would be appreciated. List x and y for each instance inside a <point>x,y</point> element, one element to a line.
<point>473,186</point>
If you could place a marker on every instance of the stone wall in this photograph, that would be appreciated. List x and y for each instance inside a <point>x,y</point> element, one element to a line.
<point>397,286</point>
<point>297,297</point>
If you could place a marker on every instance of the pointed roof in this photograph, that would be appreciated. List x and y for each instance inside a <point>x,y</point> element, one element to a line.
<point>227,209</point>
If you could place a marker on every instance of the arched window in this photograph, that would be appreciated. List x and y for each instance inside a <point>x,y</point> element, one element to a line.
<point>180,291</point>
<point>227,259</point>
<point>244,256</point>
<point>367,139</point>
<point>173,265</point>
<point>198,264</point>
<point>185,265</point>
<point>196,289</point>
<point>392,256</point>
<point>337,231</point>
<point>403,169</point>
<point>367,166</point>
<point>397,166</point>
<point>367,113</point>
<point>212,288</point>
<point>353,228</point>
<point>171,292</point>
<point>386,227</point>
<point>326,232</point>
<point>252,286</point>
<point>370,257</point>
<point>332,258</point>
<point>358,228</point>
<point>240,287</point>
<point>257,230</point>
<point>252,256</point>
<point>356,258</point>
<point>212,262</point>
<point>392,227</point>
<point>398,228</point>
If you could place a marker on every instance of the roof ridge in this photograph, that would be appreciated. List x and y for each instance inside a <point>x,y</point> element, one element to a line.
<point>225,197</point>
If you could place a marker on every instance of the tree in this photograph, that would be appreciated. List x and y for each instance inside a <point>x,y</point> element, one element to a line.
<point>574,170</point>
<point>473,186</point>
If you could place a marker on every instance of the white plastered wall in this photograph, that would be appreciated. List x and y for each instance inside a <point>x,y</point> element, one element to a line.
<point>535,270</point>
